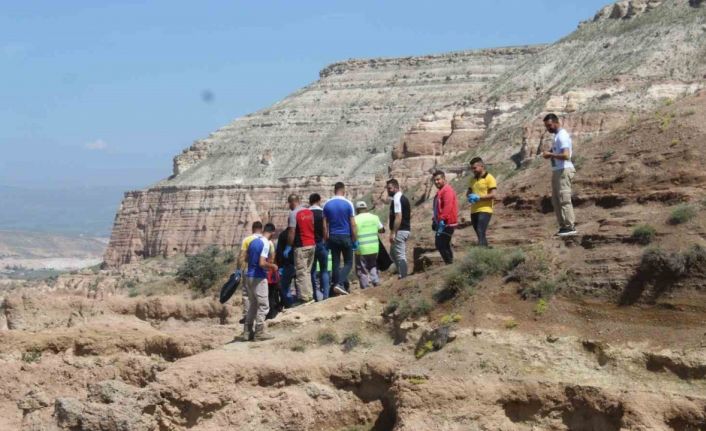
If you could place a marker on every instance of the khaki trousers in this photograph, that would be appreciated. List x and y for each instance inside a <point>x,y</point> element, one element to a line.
<point>303,261</point>
<point>259,306</point>
<point>561,197</point>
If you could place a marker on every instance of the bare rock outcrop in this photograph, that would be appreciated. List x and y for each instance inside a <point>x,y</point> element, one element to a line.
<point>343,126</point>
<point>365,119</point>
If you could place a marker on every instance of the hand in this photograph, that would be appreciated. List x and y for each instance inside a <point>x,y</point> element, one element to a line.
<point>547,155</point>
<point>473,198</point>
<point>274,267</point>
<point>356,245</point>
<point>287,251</point>
<point>392,238</point>
<point>238,272</point>
<point>441,227</point>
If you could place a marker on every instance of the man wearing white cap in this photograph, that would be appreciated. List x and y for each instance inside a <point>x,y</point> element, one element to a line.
<point>367,228</point>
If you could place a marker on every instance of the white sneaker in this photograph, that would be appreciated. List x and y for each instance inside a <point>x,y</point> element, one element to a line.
<point>341,291</point>
<point>567,232</point>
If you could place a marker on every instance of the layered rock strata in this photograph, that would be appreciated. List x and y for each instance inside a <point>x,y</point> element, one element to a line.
<point>364,120</point>
<point>342,127</point>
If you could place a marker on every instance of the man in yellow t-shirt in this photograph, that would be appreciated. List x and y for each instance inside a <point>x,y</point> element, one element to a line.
<point>242,264</point>
<point>481,195</point>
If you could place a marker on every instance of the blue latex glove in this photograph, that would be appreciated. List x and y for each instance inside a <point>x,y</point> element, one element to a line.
<point>440,228</point>
<point>281,272</point>
<point>287,251</point>
<point>238,272</point>
<point>473,198</point>
<point>356,245</point>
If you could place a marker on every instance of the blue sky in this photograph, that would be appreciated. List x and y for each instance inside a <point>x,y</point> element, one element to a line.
<point>102,93</point>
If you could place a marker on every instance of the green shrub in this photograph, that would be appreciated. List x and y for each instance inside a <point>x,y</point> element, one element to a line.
<point>391,307</point>
<point>351,341</point>
<point>455,283</point>
<point>450,319</point>
<point>541,307</point>
<point>511,324</point>
<point>424,349</point>
<point>643,234</point>
<point>659,264</point>
<point>532,268</point>
<point>417,380</point>
<point>543,288</point>
<point>326,337</point>
<point>228,257</point>
<point>404,309</point>
<point>681,214</point>
<point>607,155</point>
<point>203,270</point>
<point>695,260</point>
<point>480,262</point>
<point>515,259</point>
<point>32,355</point>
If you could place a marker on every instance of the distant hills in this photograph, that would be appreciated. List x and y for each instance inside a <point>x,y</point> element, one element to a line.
<point>42,245</point>
<point>85,211</point>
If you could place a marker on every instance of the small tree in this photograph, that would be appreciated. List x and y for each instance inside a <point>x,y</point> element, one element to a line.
<point>201,271</point>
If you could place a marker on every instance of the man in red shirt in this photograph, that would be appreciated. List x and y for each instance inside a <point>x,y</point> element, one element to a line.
<point>301,236</point>
<point>445,217</point>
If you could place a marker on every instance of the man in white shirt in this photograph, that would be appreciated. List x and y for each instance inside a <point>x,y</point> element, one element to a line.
<point>563,172</point>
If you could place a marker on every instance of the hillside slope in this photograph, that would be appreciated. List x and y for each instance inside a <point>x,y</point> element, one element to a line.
<point>357,123</point>
<point>538,333</point>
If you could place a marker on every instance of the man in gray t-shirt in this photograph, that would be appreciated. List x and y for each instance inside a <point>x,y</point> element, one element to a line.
<point>563,173</point>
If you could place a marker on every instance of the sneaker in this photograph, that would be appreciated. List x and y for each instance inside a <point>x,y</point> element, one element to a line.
<point>242,321</point>
<point>242,337</point>
<point>339,290</point>
<point>263,336</point>
<point>567,232</point>
<point>301,302</point>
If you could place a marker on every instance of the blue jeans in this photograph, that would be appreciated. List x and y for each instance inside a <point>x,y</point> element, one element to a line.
<point>480,221</point>
<point>320,280</point>
<point>285,282</point>
<point>341,245</point>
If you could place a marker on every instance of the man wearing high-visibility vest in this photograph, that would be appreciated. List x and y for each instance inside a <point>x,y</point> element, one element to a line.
<point>367,228</point>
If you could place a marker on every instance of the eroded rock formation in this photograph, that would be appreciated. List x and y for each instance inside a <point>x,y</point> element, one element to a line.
<point>366,119</point>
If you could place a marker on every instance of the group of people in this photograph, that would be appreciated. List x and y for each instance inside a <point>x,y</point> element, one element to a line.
<point>315,254</point>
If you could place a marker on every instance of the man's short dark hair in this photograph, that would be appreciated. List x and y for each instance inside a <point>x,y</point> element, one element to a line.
<point>394,183</point>
<point>269,227</point>
<point>476,160</point>
<point>257,225</point>
<point>551,117</point>
<point>314,198</point>
<point>439,173</point>
<point>293,198</point>
<point>338,186</point>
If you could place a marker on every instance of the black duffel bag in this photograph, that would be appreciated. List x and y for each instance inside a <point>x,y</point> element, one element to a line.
<point>230,287</point>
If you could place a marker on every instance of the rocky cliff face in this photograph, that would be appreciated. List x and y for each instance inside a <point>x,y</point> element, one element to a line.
<point>367,119</point>
<point>632,56</point>
<point>342,127</point>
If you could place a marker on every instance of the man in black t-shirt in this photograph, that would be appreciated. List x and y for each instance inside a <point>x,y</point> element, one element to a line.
<point>400,226</point>
<point>322,282</point>
<point>286,269</point>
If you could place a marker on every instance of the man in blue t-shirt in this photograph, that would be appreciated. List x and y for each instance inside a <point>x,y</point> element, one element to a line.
<point>340,236</point>
<point>256,284</point>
